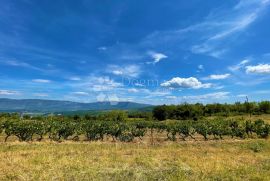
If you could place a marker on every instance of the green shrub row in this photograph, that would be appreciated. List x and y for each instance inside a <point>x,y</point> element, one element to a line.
<point>196,111</point>
<point>27,130</point>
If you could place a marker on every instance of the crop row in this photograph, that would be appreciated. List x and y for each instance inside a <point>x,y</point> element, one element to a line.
<point>27,130</point>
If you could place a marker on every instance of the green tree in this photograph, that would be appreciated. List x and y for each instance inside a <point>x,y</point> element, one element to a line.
<point>160,113</point>
<point>264,107</point>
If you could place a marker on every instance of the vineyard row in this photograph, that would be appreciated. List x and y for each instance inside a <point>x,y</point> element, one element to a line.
<point>56,130</point>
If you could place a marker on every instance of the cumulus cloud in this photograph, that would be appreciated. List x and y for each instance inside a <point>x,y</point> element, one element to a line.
<point>157,57</point>
<point>8,92</point>
<point>128,70</point>
<point>41,81</point>
<point>190,82</point>
<point>218,76</point>
<point>258,69</point>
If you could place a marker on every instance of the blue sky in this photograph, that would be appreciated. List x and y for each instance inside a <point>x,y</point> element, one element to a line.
<point>143,51</point>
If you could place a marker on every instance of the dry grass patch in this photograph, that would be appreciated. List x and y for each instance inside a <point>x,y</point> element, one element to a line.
<point>200,160</point>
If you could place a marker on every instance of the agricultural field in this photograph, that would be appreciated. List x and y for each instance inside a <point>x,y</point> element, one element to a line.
<point>214,148</point>
<point>135,90</point>
<point>191,160</point>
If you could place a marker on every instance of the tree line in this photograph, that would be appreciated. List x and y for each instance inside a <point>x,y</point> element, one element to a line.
<point>197,111</point>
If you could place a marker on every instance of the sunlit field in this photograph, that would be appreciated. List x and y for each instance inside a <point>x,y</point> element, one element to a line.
<point>141,159</point>
<point>191,160</point>
<point>130,90</point>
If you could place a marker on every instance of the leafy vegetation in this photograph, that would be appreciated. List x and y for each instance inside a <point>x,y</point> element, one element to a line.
<point>115,125</point>
<point>112,154</point>
<point>197,111</point>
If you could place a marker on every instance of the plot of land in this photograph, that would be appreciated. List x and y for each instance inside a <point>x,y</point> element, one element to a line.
<point>191,160</point>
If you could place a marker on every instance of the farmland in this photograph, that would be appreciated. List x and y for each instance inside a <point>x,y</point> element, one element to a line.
<point>121,148</point>
<point>135,90</point>
<point>191,160</point>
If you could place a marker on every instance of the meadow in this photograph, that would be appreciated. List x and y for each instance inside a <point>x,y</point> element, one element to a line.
<point>191,160</point>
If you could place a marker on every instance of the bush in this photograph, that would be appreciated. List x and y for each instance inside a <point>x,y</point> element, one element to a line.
<point>63,128</point>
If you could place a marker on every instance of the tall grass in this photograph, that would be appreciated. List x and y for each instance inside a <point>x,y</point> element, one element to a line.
<point>212,160</point>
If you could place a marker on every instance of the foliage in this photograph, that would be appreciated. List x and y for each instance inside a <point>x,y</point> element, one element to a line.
<point>196,111</point>
<point>63,128</point>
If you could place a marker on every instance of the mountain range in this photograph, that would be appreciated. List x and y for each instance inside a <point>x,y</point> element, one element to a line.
<point>41,105</point>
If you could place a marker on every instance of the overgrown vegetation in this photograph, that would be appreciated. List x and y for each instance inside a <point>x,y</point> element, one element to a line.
<point>197,111</point>
<point>116,126</point>
<point>102,147</point>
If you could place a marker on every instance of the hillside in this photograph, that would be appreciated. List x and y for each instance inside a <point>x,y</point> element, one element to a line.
<point>40,105</point>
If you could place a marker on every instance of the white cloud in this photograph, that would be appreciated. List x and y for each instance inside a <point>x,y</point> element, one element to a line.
<point>213,36</point>
<point>133,90</point>
<point>230,25</point>
<point>157,57</point>
<point>117,72</point>
<point>211,96</point>
<point>139,84</point>
<point>20,64</point>
<point>75,78</point>
<point>104,84</point>
<point>102,48</point>
<point>171,97</point>
<point>95,84</point>
<point>244,62</point>
<point>241,95</point>
<point>41,94</point>
<point>259,69</point>
<point>41,81</point>
<point>159,93</point>
<point>101,97</point>
<point>236,25</point>
<point>113,99</point>
<point>128,70</point>
<point>219,87</point>
<point>239,66</point>
<point>190,82</point>
<point>156,93</point>
<point>8,92</point>
<point>200,67</point>
<point>244,3</point>
<point>80,93</point>
<point>218,76</point>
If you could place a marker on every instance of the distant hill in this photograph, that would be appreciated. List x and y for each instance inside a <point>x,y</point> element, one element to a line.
<point>41,105</point>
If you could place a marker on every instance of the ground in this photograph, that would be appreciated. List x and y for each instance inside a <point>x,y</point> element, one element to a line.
<point>228,159</point>
<point>192,160</point>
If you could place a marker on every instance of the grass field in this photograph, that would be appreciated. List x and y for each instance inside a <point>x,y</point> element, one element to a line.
<point>228,159</point>
<point>200,160</point>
